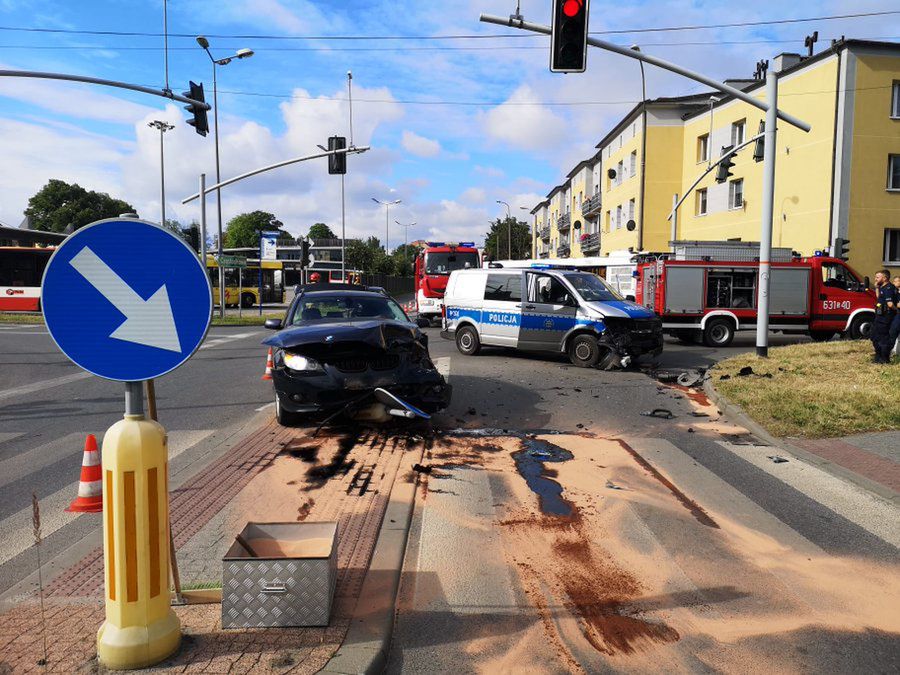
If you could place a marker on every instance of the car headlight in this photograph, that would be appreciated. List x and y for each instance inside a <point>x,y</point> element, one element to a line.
<point>301,363</point>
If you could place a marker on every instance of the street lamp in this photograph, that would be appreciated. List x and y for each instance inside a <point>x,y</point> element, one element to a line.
<point>387,218</point>
<point>508,230</point>
<point>163,128</point>
<point>405,227</point>
<point>239,54</point>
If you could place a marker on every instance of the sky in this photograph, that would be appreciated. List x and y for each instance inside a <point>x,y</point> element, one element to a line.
<point>454,124</point>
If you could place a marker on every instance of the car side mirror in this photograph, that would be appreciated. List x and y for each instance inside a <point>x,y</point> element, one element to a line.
<point>867,283</point>
<point>273,324</point>
<point>630,298</point>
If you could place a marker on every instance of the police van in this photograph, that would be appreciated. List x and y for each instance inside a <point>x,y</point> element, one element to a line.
<point>548,308</point>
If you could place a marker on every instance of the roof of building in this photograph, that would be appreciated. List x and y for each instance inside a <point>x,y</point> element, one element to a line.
<point>693,100</point>
<point>578,167</point>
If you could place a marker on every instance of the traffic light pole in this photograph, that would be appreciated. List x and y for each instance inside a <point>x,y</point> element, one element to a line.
<point>769,106</point>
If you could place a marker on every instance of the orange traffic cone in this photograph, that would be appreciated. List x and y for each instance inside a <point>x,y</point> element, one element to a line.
<point>90,487</point>
<point>269,364</point>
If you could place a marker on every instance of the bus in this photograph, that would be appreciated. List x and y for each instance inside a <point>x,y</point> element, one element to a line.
<point>242,286</point>
<point>21,271</point>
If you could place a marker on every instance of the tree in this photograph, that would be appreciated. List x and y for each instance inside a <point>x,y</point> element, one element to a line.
<point>321,231</point>
<point>496,245</point>
<point>359,255</point>
<point>243,230</point>
<point>59,205</point>
<point>405,258</point>
<point>383,263</point>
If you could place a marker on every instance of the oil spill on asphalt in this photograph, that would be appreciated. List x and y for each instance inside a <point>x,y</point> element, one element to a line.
<point>530,465</point>
<point>339,464</point>
<point>696,510</point>
<point>697,396</point>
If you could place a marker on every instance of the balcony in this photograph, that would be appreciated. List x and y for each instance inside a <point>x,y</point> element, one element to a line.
<point>590,243</point>
<point>543,254</point>
<point>563,251</point>
<point>591,206</point>
<point>564,223</point>
<point>544,232</point>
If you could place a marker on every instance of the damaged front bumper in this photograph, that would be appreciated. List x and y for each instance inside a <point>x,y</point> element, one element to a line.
<point>629,338</point>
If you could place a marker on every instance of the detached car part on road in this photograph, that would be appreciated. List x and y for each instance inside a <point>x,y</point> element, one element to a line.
<point>339,343</point>
<point>546,308</point>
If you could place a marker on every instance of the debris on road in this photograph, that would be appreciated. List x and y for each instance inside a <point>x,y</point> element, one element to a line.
<point>661,413</point>
<point>691,378</point>
<point>777,459</point>
<point>422,468</point>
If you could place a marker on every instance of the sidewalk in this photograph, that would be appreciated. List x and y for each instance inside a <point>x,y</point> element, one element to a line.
<point>274,474</point>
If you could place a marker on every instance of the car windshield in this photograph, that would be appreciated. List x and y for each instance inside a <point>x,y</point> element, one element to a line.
<point>444,263</point>
<point>591,287</point>
<point>342,307</point>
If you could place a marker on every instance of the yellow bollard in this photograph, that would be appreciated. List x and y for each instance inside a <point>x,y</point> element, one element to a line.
<point>140,628</point>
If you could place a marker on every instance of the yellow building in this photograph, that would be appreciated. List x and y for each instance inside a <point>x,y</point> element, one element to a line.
<point>839,181</point>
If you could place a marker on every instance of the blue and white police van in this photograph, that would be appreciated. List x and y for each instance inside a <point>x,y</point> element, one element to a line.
<point>548,308</point>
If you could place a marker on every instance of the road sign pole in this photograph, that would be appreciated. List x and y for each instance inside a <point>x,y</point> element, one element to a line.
<point>767,207</point>
<point>343,232</point>
<point>240,292</point>
<point>203,221</point>
<point>140,627</point>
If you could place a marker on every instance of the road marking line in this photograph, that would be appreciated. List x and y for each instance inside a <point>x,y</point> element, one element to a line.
<point>43,384</point>
<point>8,436</point>
<point>15,531</point>
<point>41,456</point>
<point>875,515</point>
<point>215,342</point>
<point>24,332</point>
<point>266,406</point>
<point>443,366</point>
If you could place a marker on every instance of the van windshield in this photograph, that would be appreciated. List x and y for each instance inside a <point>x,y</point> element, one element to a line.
<point>443,263</point>
<point>591,287</point>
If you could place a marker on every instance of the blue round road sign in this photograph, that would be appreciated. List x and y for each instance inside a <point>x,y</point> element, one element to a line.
<point>126,300</point>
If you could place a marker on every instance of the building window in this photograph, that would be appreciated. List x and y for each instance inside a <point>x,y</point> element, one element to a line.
<point>895,101</point>
<point>736,194</point>
<point>703,148</point>
<point>892,247</point>
<point>893,172</point>
<point>737,132</point>
<point>631,209</point>
<point>701,202</point>
<point>620,170</point>
<point>618,216</point>
<point>609,221</point>
<point>633,163</point>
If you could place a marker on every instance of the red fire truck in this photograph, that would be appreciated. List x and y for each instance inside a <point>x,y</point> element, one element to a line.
<point>433,267</point>
<point>706,291</point>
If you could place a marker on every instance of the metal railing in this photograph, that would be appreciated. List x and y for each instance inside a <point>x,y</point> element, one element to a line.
<point>563,251</point>
<point>590,242</point>
<point>544,232</point>
<point>591,206</point>
<point>564,222</point>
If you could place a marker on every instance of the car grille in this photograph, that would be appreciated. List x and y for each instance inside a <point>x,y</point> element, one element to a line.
<point>359,365</point>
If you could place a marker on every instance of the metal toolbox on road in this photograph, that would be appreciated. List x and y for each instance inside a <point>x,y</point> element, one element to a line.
<point>286,578</point>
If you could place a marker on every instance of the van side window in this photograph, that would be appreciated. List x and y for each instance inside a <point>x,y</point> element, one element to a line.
<point>503,287</point>
<point>547,289</point>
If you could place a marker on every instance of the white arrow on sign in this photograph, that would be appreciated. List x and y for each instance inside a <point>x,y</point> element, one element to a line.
<point>147,322</point>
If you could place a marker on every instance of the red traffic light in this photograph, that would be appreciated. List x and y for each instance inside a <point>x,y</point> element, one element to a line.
<point>572,7</point>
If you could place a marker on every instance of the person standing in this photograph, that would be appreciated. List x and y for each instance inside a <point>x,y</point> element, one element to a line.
<point>894,332</point>
<point>887,299</point>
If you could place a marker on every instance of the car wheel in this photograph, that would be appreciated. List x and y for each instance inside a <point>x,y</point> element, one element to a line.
<point>821,335</point>
<point>285,418</point>
<point>861,327</point>
<point>467,341</point>
<point>719,332</point>
<point>584,351</point>
<point>247,300</point>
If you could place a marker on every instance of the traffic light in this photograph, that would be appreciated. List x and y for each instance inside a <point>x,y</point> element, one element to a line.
<point>759,146</point>
<point>199,122</point>
<point>568,36</point>
<point>337,164</point>
<point>192,234</point>
<point>841,248</point>
<point>723,171</point>
<point>304,253</point>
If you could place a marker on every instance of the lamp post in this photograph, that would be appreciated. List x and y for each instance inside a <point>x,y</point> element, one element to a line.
<point>387,218</point>
<point>640,227</point>
<point>239,54</point>
<point>508,230</point>
<point>525,208</point>
<point>163,128</point>
<point>405,227</point>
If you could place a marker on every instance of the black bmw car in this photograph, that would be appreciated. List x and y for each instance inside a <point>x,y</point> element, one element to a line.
<point>338,343</point>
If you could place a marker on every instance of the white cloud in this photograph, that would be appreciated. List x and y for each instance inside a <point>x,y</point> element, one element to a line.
<point>419,145</point>
<point>522,122</point>
<point>474,195</point>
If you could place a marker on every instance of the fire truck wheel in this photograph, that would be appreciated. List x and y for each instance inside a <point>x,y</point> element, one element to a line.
<point>719,332</point>
<point>861,327</point>
<point>467,341</point>
<point>584,351</point>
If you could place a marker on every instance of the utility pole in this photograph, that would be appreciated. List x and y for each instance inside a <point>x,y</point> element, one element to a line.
<point>767,209</point>
<point>163,128</point>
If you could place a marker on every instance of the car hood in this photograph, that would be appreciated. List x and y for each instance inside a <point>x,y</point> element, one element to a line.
<point>382,333</point>
<point>624,309</point>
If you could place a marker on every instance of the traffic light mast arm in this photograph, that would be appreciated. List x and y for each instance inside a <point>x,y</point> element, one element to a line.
<point>34,74</point>
<point>710,169</point>
<point>277,165</point>
<point>516,22</point>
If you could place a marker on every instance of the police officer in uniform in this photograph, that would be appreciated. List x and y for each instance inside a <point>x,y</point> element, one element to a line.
<point>887,300</point>
<point>895,325</point>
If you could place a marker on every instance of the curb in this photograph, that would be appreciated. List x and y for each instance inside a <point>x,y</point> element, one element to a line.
<point>739,415</point>
<point>366,646</point>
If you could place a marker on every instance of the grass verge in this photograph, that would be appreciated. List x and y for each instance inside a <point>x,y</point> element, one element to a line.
<point>229,320</point>
<point>814,390</point>
<point>21,318</point>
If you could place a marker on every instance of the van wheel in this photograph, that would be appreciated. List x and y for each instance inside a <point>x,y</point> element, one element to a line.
<point>284,417</point>
<point>821,335</point>
<point>719,332</point>
<point>467,341</point>
<point>584,351</point>
<point>247,300</point>
<point>861,327</point>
